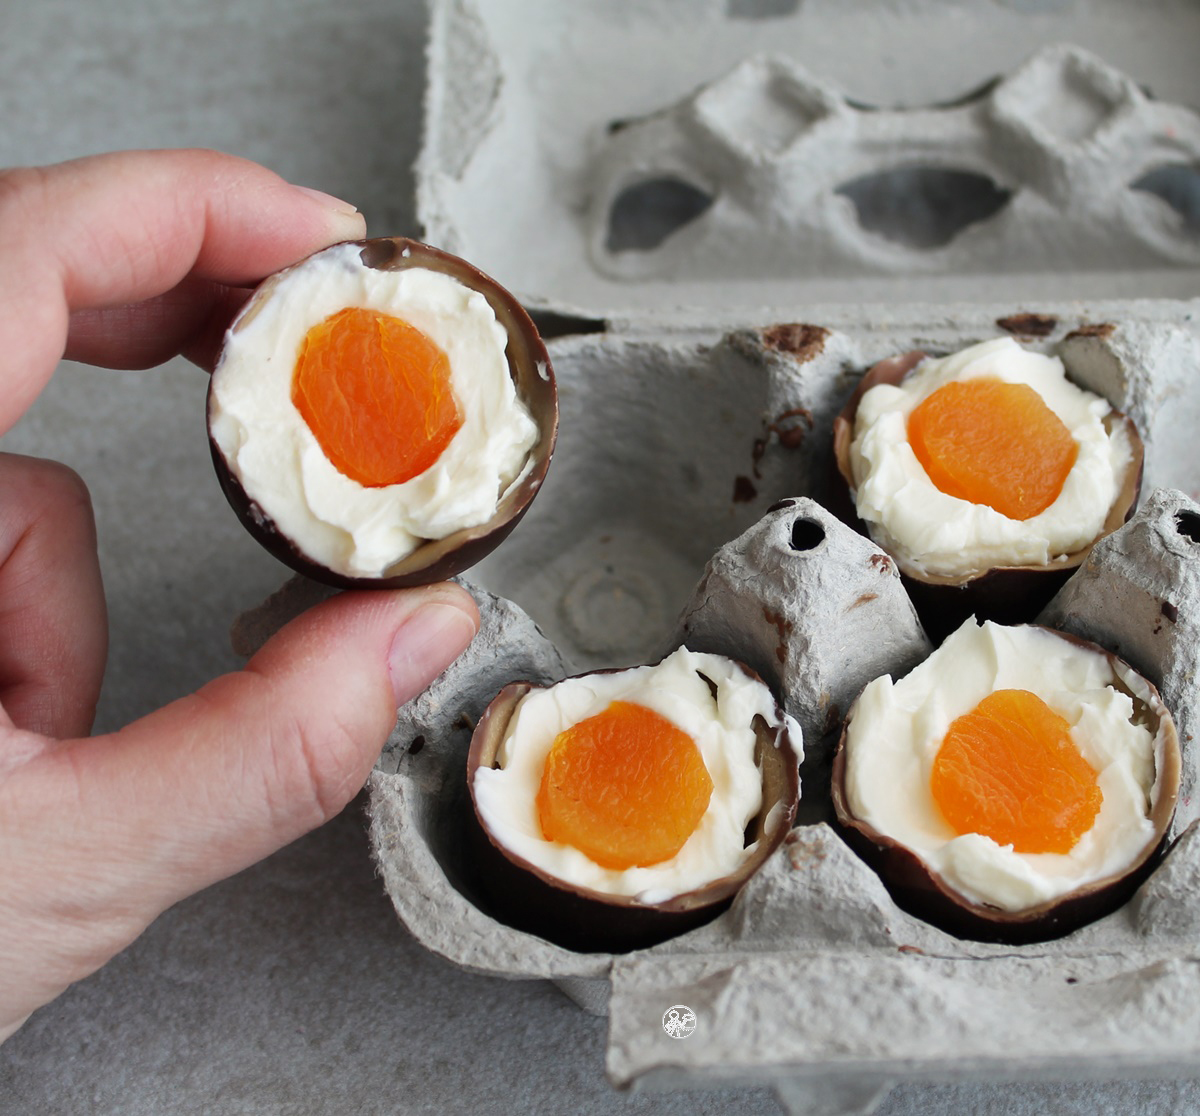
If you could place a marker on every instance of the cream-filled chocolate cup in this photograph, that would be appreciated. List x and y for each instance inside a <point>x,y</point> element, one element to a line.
<point>382,413</point>
<point>958,554</point>
<point>623,807</point>
<point>1015,785</point>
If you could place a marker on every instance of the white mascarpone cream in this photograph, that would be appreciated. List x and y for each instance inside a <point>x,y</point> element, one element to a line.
<point>936,533</point>
<point>350,528</point>
<point>896,729</point>
<point>721,726</point>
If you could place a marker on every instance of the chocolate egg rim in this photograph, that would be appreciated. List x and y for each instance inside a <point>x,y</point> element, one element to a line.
<point>899,866</point>
<point>775,756</point>
<point>893,371</point>
<point>532,374</point>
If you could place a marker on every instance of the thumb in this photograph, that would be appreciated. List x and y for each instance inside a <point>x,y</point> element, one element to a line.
<point>215,781</point>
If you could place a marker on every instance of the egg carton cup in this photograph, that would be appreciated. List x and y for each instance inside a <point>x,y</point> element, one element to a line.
<point>813,981</point>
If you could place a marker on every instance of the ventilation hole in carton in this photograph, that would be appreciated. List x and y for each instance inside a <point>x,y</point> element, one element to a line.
<point>1188,525</point>
<point>761,9</point>
<point>807,534</point>
<point>923,207</point>
<point>645,214</point>
<point>1178,184</point>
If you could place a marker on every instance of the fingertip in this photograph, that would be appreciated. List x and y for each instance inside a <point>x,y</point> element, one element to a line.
<point>343,221</point>
<point>429,639</point>
<point>424,630</point>
<point>328,201</point>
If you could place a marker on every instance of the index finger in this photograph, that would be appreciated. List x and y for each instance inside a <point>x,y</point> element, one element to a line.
<point>113,229</point>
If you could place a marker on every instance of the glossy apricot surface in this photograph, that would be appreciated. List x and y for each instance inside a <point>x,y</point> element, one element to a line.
<point>1010,770</point>
<point>626,787</point>
<point>375,391</point>
<point>993,443</point>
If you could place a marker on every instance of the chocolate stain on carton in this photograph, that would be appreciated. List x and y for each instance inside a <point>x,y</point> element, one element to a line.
<point>1102,330</point>
<point>743,490</point>
<point>866,598</point>
<point>783,626</point>
<point>791,433</point>
<point>1029,325</point>
<point>791,428</point>
<point>798,340</point>
<point>801,857</point>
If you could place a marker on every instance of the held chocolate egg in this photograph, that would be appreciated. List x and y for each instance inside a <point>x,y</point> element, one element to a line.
<point>624,807</point>
<point>1015,785</point>
<point>987,475</point>
<point>382,414</point>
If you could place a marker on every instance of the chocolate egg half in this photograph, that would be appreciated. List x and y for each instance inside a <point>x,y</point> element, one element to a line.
<point>619,808</point>
<point>381,414</point>
<point>1014,786</point>
<point>960,555</point>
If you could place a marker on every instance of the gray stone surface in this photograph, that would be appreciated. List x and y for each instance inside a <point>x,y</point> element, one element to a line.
<point>292,990</point>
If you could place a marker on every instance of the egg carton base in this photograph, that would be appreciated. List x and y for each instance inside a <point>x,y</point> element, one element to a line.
<point>660,431</point>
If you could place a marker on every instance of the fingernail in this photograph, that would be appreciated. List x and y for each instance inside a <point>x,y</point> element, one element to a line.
<point>428,641</point>
<point>335,205</point>
<point>346,223</point>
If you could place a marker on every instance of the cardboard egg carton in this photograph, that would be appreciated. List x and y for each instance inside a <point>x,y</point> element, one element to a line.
<point>688,496</point>
<point>819,610</point>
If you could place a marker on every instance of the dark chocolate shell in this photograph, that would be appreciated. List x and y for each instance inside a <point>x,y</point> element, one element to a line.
<point>533,376</point>
<point>924,893</point>
<point>529,898</point>
<point>1008,594</point>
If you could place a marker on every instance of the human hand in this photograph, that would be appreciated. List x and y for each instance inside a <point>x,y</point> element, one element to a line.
<point>125,260</point>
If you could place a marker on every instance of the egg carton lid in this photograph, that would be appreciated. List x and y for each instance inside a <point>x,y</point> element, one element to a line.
<point>727,161</point>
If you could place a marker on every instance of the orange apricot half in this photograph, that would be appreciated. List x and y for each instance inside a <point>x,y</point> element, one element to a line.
<point>1009,770</point>
<point>993,443</point>
<point>375,391</point>
<point>626,787</point>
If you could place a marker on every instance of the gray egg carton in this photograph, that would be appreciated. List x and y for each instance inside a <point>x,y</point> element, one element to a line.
<point>738,206</point>
<point>813,981</point>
